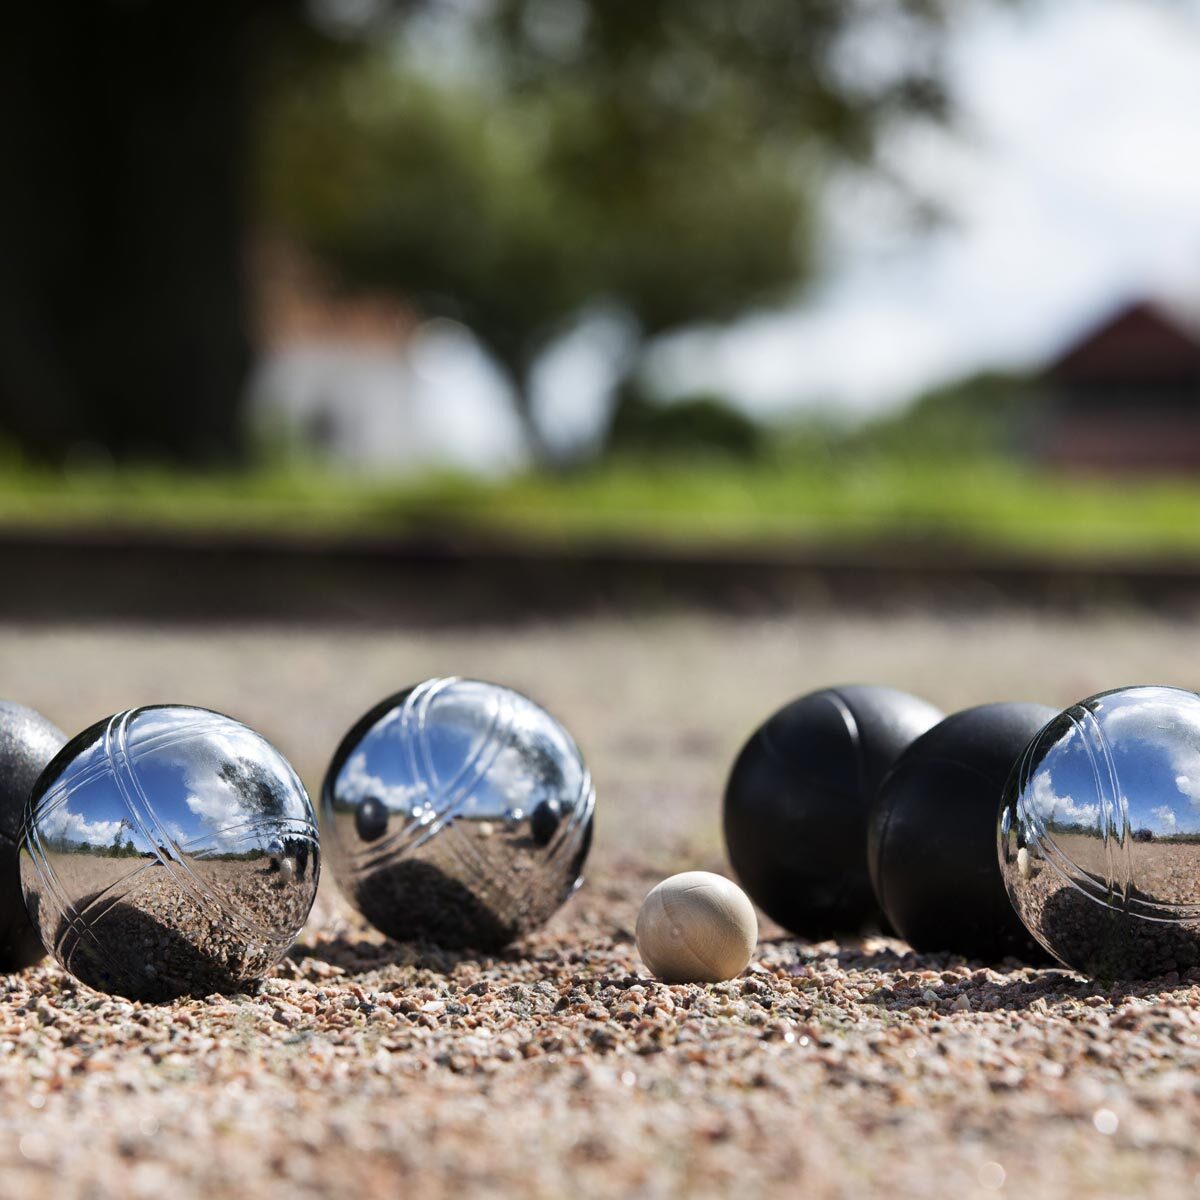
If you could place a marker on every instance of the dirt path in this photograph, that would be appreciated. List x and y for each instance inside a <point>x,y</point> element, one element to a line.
<point>367,1069</point>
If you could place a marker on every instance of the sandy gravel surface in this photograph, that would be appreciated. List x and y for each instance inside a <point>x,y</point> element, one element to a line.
<point>363,1068</point>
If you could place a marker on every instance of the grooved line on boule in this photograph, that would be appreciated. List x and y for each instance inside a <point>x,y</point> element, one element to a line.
<point>187,882</point>
<point>204,888</point>
<point>87,914</point>
<point>1121,808</point>
<point>66,911</point>
<point>448,797</point>
<point>290,826</point>
<point>461,785</point>
<point>72,782</point>
<point>516,900</point>
<point>568,836</point>
<point>1107,791</point>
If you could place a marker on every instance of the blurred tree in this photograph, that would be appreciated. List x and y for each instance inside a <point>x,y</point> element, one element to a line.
<point>986,413</point>
<point>690,425</point>
<point>658,157</point>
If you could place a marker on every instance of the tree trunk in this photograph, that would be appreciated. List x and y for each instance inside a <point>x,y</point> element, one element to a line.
<point>122,305</point>
<point>516,360</point>
<point>541,451</point>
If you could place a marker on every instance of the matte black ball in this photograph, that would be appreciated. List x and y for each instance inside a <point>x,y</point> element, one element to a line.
<point>797,800</point>
<point>932,837</point>
<point>27,743</point>
<point>371,819</point>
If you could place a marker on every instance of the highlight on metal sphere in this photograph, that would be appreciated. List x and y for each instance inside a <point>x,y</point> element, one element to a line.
<point>458,812</point>
<point>169,850</point>
<point>1099,834</point>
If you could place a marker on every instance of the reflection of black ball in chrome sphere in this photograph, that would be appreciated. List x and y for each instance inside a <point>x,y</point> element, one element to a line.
<point>27,743</point>
<point>796,804</point>
<point>543,821</point>
<point>931,841</point>
<point>371,819</point>
<point>487,805</point>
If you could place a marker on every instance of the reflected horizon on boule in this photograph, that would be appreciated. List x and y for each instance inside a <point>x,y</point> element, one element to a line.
<point>1099,834</point>
<point>457,812</point>
<point>169,850</point>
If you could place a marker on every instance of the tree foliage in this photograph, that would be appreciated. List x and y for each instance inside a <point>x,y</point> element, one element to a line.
<point>981,414</point>
<point>699,426</point>
<point>660,157</point>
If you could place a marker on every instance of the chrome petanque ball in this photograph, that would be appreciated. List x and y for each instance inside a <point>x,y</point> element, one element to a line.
<point>168,851</point>
<point>1099,834</point>
<point>457,812</point>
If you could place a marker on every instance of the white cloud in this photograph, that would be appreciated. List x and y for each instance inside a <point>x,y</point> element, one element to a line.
<point>221,810</point>
<point>1164,816</point>
<point>62,823</point>
<point>1050,806</point>
<point>499,771</point>
<point>356,783</point>
<point>1168,721</point>
<point>218,803</point>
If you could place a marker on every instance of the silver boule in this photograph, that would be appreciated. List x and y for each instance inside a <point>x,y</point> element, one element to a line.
<point>148,855</point>
<point>458,812</point>
<point>1099,834</point>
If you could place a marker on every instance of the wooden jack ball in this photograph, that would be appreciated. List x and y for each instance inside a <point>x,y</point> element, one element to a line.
<point>696,928</point>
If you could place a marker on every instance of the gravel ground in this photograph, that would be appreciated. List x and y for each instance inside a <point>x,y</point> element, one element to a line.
<point>363,1068</point>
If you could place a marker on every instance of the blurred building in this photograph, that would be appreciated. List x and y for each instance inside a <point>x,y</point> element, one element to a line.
<point>1126,395</point>
<point>354,381</point>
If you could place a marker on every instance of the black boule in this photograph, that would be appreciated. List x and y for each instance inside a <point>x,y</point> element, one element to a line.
<point>27,744</point>
<point>796,804</point>
<point>931,842</point>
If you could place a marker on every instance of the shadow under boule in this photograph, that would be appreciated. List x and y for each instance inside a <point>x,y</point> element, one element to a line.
<point>1107,943</point>
<point>129,952</point>
<point>416,901</point>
